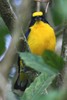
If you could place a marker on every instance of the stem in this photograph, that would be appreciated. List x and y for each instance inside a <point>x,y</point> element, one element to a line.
<point>38,6</point>
<point>7,14</point>
<point>64,44</point>
<point>11,21</point>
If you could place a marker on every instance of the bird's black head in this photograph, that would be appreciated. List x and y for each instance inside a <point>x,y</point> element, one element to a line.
<point>37,16</point>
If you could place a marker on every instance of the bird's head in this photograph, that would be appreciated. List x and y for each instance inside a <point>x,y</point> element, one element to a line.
<point>37,16</point>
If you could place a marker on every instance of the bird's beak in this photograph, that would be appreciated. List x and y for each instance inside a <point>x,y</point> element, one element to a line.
<point>38,18</point>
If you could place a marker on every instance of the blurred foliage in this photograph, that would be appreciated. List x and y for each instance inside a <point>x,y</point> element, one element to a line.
<point>3,32</point>
<point>38,87</point>
<point>2,45</point>
<point>57,15</point>
<point>63,7</point>
<point>3,28</point>
<point>37,63</point>
<point>48,62</point>
<point>52,59</point>
<point>49,69</point>
<point>53,95</point>
<point>59,11</point>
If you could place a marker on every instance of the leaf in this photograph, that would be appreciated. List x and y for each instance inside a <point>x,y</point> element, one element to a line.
<point>50,96</point>
<point>2,45</point>
<point>53,60</point>
<point>38,87</point>
<point>57,14</point>
<point>3,32</point>
<point>54,95</point>
<point>3,28</point>
<point>63,7</point>
<point>36,62</point>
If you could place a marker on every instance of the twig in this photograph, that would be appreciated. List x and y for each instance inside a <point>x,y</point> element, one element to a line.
<point>64,55</point>
<point>7,14</point>
<point>7,61</point>
<point>38,6</point>
<point>64,44</point>
<point>10,18</point>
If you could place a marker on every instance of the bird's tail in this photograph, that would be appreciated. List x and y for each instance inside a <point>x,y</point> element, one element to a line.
<point>22,77</point>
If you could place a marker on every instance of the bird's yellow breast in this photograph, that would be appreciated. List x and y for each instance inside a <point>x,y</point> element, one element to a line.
<point>41,37</point>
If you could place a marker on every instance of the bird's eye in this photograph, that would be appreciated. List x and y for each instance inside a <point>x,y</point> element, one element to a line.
<point>35,19</point>
<point>38,18</point>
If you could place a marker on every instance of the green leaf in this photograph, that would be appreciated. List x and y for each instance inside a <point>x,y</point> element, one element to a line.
<point>2,45</point>
<point>57,13</point>
<point>3,32</point>
<point>53,60</point>
<point>36,62</point>
<point>53,95</point>
<point>63,7</point>
<point>38,87</point>
<point>3,28</point>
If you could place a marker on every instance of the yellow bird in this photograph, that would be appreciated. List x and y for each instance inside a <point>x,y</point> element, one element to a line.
<point>41,36</point>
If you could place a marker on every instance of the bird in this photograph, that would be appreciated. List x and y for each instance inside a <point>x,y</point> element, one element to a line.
<point>40,37</point>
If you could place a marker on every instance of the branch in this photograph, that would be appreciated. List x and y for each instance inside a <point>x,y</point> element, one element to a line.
<point>64,55</point>
<point>63,80</point>
<point>64,44</point>
<point>14,25</point>
<point>7,14</point>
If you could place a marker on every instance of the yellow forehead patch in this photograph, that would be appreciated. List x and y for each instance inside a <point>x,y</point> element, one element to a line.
<point>37,14</point>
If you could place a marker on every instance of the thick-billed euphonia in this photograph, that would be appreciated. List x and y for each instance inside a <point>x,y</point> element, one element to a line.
<point>40,37</point>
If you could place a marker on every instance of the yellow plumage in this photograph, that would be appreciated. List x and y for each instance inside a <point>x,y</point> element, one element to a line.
<point>41,37</point>
<point>37,14</point>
